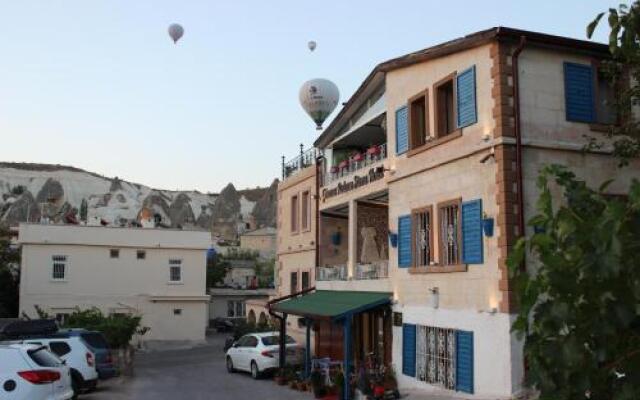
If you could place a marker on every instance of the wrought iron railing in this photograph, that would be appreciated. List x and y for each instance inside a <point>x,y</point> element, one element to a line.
<point>303,160</point>
<point>375,270</point>
<point>333,273</point>
<point>373,156</point>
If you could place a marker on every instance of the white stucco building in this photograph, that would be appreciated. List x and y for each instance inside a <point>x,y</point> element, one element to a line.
<point>157,273</point>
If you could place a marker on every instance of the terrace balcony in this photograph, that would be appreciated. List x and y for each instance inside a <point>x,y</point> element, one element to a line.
<point>332,273</point>
<point>358,160</point>
<point>371,271</point>
<point>305,159</point>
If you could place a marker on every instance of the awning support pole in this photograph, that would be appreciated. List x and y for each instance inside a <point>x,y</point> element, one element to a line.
<point>307,352</point>
<point>283,338</point>
<point>347,356</point>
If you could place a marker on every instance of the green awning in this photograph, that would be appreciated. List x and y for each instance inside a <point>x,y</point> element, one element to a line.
<point>332,303</point>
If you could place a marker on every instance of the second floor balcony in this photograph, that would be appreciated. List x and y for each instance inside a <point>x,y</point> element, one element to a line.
<point>332,273</point>
<point>357,160</point>
<point>374,270</point>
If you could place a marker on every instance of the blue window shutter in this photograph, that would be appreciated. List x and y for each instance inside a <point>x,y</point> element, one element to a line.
<point>466,97</point>
<point>409,349</point>
<point>404,241</point>
<point>472,251</point>
<point>402,130</point>
<point>579,92</point>
<point>464,361</point>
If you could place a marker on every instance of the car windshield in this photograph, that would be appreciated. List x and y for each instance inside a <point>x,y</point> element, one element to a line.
<point>273,340</point>
<point>95,340</point>
<point>44,358</point>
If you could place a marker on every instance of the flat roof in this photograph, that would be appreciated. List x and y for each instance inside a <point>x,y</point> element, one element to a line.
<point>58,234</point>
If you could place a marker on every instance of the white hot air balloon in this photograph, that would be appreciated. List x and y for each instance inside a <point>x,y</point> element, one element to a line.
<point>176,31</point>
<point>312,45</point>
<point>319,97</point>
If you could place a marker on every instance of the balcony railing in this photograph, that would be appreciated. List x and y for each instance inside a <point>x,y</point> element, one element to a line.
<point>303,160</point>
<point>334,273</point>
<point>355,163</point>
<point>376,270</point>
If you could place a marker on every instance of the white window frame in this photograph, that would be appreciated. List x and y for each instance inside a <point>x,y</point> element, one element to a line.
<point>65,263</point>
<point>175,263</point>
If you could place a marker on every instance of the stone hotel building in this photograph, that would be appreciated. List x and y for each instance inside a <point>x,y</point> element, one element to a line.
<point>419,188</point>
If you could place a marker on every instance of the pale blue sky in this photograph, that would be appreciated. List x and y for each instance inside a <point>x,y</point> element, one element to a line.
<point>100,86</point>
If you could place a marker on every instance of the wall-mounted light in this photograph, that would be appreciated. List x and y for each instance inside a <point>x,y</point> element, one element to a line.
<point>435,297</point>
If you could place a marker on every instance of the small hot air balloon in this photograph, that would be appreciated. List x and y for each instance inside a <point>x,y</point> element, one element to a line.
<point>319,97</point>
<point>312,45</point>
<point>176,31</point>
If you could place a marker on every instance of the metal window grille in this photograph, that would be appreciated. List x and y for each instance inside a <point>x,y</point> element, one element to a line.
<point>59,267</point>
<point>423,238</point>
<point>175,270</point>
<point>449,236</point>
<point>435,356</point>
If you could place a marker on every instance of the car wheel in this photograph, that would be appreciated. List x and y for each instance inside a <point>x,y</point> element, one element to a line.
<point>76,384</point>
<point>255,372</point>
<point>230,368</point>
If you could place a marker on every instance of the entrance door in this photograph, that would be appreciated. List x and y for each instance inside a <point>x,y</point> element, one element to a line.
<point>329,340</point>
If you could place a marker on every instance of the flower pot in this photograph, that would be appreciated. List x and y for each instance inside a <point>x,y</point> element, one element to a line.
<point>393,239</point>
<point>487,227</point>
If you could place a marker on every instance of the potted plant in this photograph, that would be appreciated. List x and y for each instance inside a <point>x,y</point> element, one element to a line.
<point>317,384</point>
<point>338,380</point>
<point>391,383</point>
<point>280,377</point>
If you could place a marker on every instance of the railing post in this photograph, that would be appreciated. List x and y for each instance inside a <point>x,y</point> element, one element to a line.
<point>301,163</point>
<point>283,168</point>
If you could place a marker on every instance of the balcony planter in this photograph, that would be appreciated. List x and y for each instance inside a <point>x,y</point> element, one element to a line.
<point>487,226</point>
<point>336,238</point>
<point>393,239</point>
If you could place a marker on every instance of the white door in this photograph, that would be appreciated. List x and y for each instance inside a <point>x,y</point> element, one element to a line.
<point>240,353</point>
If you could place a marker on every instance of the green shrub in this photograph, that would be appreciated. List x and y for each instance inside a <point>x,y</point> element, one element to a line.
<point>118,329</point>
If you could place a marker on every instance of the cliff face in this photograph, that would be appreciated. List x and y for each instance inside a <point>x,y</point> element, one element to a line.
<point>29,192</point>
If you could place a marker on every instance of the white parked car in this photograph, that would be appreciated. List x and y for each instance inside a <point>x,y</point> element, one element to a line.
<point>31,372</point>
<point>78,357</point>
<point>259,352</point>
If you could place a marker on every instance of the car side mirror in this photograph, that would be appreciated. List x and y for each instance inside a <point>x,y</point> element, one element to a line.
<point>64,362</point>
<point>234,345</point>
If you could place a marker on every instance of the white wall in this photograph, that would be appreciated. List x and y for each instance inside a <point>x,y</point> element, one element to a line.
<point>495,349</point>
<point>120,284</point>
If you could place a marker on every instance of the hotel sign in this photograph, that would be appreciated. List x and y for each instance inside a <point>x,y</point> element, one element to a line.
<point>355,182</point>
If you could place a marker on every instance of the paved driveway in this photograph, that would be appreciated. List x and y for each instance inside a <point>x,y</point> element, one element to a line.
<point>194,374</point>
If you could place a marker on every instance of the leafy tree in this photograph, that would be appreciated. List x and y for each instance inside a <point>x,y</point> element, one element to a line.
<point>579,299</point>
<point>118,329</point>
<point>9,276</point>
<point>624,68</point>
<point>217,269</point>
<point>264,272</point>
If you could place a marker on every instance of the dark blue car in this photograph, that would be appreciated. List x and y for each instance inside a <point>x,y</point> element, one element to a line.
<point>98,345</point>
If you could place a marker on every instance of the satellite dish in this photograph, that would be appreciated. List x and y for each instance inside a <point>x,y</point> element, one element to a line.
<point>319,97</point>
<point>312,45</point>
<point>176,31</point>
